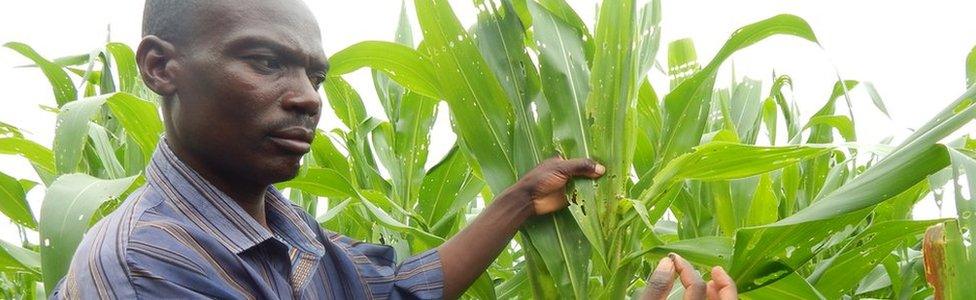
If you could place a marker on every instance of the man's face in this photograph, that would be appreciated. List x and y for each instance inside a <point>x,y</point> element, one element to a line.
<point>246,102</point>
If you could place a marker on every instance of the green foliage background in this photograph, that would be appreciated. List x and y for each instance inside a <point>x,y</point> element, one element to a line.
<point>818,216</point>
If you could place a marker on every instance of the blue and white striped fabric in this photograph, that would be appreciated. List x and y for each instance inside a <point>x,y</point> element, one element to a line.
<point>178,237</point>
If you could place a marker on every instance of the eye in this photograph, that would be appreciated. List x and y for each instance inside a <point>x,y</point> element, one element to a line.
<point>266,62</point>
<point>317,79</point>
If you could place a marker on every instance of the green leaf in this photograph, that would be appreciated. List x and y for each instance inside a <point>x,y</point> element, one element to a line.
<point>613,92</point>
<point>764,206</point>
<point>564,250</point>
<point>971,68</point>
<point>141,121</point>
<point>843,124</point>
<point>723,161</point>
<point>332,212</point>
<point>345,102</point>
<point>648,119</point>
<point>321,182</point>
<point>791,287</point>
<point>412,137</point>
<point>648,31</point>
<point>72,130</point>
<point>500,38</point>
<point>327,155</point>
<point>365,172</point>
<point>388,91</point>
<point>565,80</point>
<point>482,115</point>
<point>369,198</point>
<point>565,83</point>
<point>769,119</point>
<point>446,188</point>
<point>61,84</point>
<point>841,273</point>
<point>876,98</point>
<point>876,280</point>
<point>725,213</point>
<point>686,107</point>
<point>913,161</point>
<point>704,251</point>
<point>103,148</point>
<point>13,202</point>
<point>68,205</point>
<point>137,116</point>
<point>7,130</point>
<point>682,61</point>
<point>41,157</point>
<point>788,109</point>
<point>565,13</point>
<point>125,61</point>
<point>964,162</point>
<point>726,161</point>
<point>745,109</point>
<point>17,259</point>
<point>401,63</point>
<point>823,133</point>
<point>71,60</point>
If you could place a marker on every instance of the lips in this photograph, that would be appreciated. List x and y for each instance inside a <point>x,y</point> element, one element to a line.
<point>295,140</point>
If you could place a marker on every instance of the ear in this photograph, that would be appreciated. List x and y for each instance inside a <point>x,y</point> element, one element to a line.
<point>156,59</point>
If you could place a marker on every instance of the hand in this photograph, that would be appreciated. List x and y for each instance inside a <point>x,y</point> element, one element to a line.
<point>542,190</point>
<point>545,185</point>
<point>721,287</point>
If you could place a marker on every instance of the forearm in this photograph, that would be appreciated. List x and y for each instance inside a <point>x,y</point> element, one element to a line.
<point>469,253</point>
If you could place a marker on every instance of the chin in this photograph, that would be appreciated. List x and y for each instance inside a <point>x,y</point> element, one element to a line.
<point>283,171</point>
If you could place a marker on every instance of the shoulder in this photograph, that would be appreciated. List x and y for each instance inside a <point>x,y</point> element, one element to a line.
<point>101,255</point>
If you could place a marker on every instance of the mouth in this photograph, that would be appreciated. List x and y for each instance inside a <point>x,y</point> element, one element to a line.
<point>294,140</point>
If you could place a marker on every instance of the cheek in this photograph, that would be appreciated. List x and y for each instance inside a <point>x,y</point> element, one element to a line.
<point>238,96</point>
<point>245,91</point>
<point>225,106</point>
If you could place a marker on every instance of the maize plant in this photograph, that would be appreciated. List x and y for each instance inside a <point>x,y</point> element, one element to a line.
<point>793,207</point>
<point>809,218</point>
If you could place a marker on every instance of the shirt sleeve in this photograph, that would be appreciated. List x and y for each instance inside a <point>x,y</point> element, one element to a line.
<point>421,277</point>
<point>98,269</point>
<point>418,277</point>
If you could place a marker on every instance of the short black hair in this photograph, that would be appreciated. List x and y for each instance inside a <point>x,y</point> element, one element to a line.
<point>171,20</point>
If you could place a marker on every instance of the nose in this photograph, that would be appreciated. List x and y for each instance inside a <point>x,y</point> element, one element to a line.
<point>303,98</point>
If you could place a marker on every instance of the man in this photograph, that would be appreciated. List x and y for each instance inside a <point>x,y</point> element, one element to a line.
<point>238,81</point>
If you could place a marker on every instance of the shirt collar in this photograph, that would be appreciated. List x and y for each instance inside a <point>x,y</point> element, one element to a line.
<point>215,212</point>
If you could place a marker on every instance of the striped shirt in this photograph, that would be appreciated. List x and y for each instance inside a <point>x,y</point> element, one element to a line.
<point>178,237</point>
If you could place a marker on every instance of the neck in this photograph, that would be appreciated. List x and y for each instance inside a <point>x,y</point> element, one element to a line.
<point>248,195</point>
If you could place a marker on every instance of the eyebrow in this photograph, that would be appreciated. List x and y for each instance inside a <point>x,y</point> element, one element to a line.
<point>318,63</point>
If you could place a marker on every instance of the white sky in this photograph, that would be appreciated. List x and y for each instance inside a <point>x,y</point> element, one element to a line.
<point>913,51</point>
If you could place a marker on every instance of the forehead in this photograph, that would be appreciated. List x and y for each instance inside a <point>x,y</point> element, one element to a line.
<point>288,23</point>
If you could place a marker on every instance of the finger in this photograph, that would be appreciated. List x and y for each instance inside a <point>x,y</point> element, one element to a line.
<point>550,203</point>
<point>555,159</point>
<point>724,286</point>
<point>661,280</point>
<point>582,167</point>
<point>693,283</point>
<point>711,290</point>
<point>721,278</point>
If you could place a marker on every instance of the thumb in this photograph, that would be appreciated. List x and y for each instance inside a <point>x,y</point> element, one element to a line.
<point>582,167</point>
<point>661,281</point>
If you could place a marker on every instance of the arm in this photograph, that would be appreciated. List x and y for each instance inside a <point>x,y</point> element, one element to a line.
<point>541,191</point>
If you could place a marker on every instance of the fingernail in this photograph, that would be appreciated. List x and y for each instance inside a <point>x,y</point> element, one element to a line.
<point>664,265</point>
<point>600,169</point>
<point>672,255</point>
